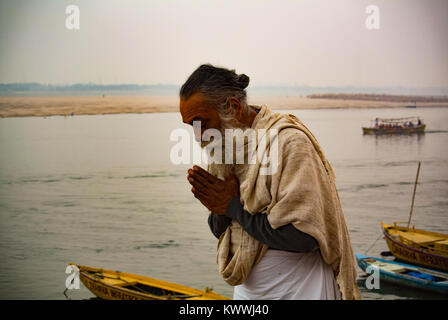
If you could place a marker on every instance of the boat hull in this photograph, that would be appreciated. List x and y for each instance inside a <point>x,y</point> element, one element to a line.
<point>413,253</point>
<point>398,273</point>
<point>115,285</point>
<point>417,129</point>
<point>107,292</point>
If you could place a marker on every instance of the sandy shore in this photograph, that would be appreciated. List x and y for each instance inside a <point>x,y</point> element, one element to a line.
<point>90,105</point>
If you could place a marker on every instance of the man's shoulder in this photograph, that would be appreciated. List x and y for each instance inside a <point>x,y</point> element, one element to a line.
<point>293,136</point>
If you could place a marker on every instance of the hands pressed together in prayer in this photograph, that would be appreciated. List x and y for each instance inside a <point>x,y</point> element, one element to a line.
<point>214,193</point>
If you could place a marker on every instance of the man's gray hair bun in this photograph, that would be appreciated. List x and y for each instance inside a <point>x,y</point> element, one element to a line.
<point>243,81</point>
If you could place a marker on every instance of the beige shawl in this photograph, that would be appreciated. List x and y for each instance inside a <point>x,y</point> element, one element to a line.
<point>302,191</point>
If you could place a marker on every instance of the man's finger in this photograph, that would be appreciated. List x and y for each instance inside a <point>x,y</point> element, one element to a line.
<point>202,198</point>
<point>197,177</point>
<point>205,174</point>
<point>205,205</point>
<point>197,185</point>
<point>199,193</point>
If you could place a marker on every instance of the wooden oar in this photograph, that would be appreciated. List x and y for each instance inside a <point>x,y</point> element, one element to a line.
<point>413,196</point>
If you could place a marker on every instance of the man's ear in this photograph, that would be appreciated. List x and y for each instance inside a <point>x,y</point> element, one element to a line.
<point>235,107</point>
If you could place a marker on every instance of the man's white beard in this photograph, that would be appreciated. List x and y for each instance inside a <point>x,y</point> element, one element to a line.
<point>223,169</point>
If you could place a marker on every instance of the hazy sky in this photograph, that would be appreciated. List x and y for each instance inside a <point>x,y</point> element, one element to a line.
<point>317,43</point>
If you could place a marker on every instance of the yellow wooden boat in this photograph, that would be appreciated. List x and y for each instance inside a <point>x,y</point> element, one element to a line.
<point>420,247</point>
<point>115,285</point>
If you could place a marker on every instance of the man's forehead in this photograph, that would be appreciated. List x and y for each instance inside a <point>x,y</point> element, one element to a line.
<point>193,107</point>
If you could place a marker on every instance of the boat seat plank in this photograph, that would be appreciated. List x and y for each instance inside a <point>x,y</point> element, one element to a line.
<point>129,283</point>
<point>114,282</point>
<point>419,238</point>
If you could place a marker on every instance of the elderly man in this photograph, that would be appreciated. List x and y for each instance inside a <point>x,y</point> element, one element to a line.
<point>281,235</point>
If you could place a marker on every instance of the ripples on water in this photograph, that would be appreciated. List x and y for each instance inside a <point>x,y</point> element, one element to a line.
<point>101,191</point>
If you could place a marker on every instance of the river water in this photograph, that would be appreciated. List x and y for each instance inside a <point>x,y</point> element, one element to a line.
<point>102,191</point>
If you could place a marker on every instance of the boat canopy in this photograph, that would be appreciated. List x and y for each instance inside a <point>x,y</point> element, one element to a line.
<point>397,120</point>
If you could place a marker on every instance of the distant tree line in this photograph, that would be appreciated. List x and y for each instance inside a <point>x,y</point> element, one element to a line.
<point>380,97</point>
<point>34,86</point>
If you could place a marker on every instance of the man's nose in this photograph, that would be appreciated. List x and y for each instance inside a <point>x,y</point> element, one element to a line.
<point>197,137</point>
<point>197,129</point>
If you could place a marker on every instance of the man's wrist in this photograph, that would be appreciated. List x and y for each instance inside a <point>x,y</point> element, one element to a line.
<point>233,207</point>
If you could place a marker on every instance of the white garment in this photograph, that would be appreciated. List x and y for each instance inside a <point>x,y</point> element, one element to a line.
<point>284,275</point>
